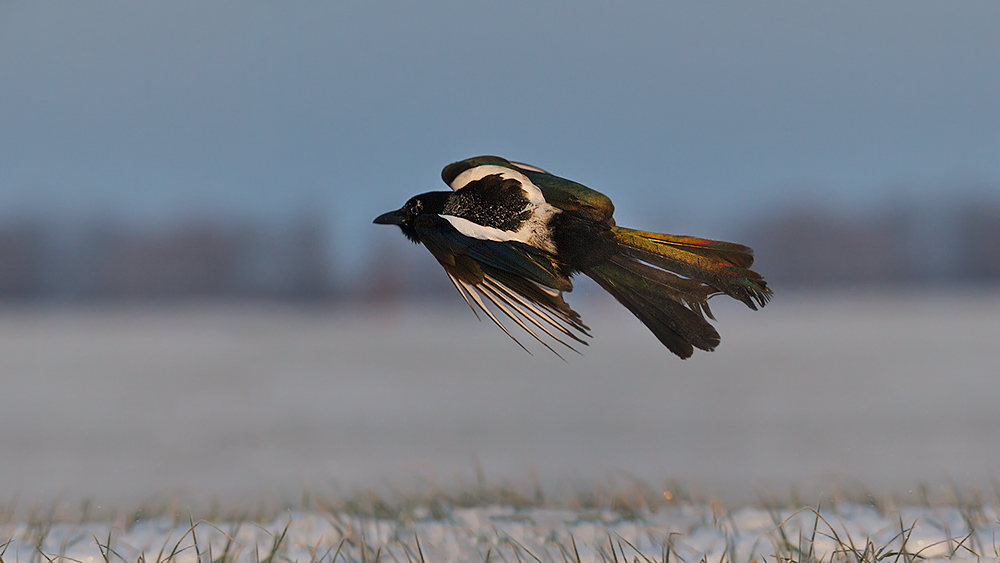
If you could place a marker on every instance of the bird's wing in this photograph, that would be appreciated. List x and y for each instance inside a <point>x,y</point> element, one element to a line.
<point>521,281</point>
<point>511,256</point>
<point>566,195</point>
<point>571,197</point>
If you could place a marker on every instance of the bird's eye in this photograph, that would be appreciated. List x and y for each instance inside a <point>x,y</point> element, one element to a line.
<point>416,207</point>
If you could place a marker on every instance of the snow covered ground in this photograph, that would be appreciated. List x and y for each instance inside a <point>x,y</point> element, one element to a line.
<point>849,533</point>
<point>880,390</point>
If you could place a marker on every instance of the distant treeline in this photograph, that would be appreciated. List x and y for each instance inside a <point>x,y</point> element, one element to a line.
<point>952,243</point>
<point>43,260</point>
<point>799,247</point>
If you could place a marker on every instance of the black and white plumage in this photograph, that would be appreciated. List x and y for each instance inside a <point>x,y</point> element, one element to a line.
<point>514,234</point>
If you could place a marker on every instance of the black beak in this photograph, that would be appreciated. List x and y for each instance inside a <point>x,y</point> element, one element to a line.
<point>396,217</point>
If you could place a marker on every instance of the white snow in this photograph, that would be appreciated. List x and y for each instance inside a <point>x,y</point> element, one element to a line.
<point>692,532</point>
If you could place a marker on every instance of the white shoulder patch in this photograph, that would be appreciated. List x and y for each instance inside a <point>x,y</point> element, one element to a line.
<point>475,230</point>
<point>533,232</point>
<point>479,172</point>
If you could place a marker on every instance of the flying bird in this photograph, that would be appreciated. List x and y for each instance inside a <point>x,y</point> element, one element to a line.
<point>516,235</point>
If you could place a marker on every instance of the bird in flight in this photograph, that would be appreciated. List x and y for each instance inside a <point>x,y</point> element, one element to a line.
<point>516,235</point>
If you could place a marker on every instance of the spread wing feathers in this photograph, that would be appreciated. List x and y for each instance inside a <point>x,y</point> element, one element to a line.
<point>556,323</point>
<point>514,277</point>
<point>517,258</point>
<point>551,302</point>
<point>724,266</point>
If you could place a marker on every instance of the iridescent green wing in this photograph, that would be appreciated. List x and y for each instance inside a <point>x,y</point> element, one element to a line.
<point>569,196</point>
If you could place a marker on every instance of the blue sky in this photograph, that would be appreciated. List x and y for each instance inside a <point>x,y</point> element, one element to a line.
<point>692,116</point>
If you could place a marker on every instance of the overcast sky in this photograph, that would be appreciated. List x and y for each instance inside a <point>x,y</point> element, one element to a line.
<point>688,114</point>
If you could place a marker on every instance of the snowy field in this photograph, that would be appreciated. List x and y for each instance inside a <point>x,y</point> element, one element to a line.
<point>683,533</point>
<point>238,406</point>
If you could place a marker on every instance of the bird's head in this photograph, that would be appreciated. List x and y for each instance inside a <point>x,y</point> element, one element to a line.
<point>428,203</point>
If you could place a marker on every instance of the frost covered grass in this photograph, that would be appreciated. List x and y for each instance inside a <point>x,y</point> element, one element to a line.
<point>229,413</point>
<point>636,523</point>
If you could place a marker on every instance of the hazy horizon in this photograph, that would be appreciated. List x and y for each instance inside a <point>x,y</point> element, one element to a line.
<point>692,116</point>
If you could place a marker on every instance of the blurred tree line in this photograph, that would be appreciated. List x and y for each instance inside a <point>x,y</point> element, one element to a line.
<point>804,247</point>
<point>204,258</point>
<point>951,243</point>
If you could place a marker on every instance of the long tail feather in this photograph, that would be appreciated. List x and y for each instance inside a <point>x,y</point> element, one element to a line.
<point>723,266</point>
<point>658,300</point>
<point>666,280</point>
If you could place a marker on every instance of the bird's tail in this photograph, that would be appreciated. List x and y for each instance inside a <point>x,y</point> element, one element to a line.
<point>666,280</point>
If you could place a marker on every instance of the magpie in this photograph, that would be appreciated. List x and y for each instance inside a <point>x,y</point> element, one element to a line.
<point>516,235</point>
